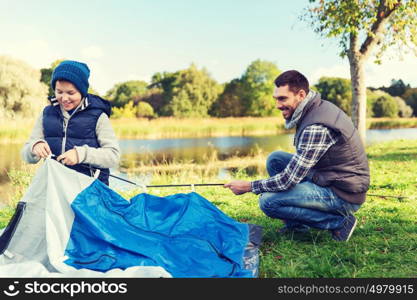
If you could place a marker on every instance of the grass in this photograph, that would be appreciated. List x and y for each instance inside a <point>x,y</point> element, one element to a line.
<point>180,128</point>
<point>13,131</point>
<point>389,123</point>
<point>383,245</point>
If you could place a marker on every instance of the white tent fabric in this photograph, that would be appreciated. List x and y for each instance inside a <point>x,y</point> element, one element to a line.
<point>38,244</point>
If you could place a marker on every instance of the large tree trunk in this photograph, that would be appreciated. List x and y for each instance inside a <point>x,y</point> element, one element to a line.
<point>358,94</point>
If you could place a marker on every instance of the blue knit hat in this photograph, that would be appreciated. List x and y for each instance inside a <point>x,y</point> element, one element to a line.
<point>73,71</point>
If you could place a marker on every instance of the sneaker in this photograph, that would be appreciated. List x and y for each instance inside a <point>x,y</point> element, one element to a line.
<point>345,232</point>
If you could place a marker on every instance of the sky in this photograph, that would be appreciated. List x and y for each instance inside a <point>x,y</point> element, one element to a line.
<point>124,40</point>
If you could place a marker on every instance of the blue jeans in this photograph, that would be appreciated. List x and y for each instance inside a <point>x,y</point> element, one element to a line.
<point>304,204</point>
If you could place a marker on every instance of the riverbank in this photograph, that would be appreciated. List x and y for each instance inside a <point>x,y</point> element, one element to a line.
<point>17,131</point>
<point>383,245</point>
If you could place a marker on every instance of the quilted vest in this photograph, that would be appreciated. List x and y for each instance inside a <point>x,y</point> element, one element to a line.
<point>344,167</point>
<point>80,130</point>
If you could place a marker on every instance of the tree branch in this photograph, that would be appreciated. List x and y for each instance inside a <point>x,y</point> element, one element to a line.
<point>382,17</point>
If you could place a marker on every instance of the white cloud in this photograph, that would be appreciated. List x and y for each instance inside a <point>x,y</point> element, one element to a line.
<point>92,52</point>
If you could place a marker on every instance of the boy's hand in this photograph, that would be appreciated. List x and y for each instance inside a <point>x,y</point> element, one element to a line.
<point>68,158</point>
<point>41,149</point>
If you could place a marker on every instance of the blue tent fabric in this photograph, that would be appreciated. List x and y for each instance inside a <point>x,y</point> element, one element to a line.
<point>183,233</point>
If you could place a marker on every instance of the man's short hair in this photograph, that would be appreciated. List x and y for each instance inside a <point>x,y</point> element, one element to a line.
<point>295,80</point>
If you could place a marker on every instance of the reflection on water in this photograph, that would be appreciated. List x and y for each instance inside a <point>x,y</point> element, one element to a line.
<point>9,159</point>
<point>193,150</point>
<point>199,149</point>
<point>379,135</point>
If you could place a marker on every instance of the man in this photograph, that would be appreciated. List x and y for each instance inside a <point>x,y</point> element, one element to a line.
<point>326,180</point>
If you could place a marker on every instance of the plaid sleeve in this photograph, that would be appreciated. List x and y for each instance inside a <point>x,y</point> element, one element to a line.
<point>315,140</point>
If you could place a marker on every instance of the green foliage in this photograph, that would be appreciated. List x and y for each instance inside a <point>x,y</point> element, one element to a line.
<point>192,93</point>
<point>131,110</point>
<point>144,110</point>
<point>346,18</point>
<point>410,98</point>
<point>257,89</point>
<point>21,92</point>
<point>404,111</point>
<point>46,76</point>
<point>397,88</point>
<point>385,107</point>
<point>154,96</point>
<point>161,86</point>
<point>127,111</point>
<point>229,103</point>
<point>382,104</point>
<point>336,90</point>
<point>127,91</point>
<point>250,95</point>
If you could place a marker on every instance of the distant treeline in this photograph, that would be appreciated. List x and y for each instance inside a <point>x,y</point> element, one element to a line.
<point>192,93</point>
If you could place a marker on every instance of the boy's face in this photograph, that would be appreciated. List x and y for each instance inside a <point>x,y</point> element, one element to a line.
<point>67,95</point>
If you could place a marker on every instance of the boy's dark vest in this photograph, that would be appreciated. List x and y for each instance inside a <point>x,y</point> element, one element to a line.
<point>80,130</point>
<point>344,167</point>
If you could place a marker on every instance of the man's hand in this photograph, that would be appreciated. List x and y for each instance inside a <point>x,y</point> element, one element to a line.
<point>41,149</point>
<point>239,187</point>
<point>68,158</point>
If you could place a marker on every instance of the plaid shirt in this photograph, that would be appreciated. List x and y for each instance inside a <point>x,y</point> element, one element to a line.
<point>314,141</point>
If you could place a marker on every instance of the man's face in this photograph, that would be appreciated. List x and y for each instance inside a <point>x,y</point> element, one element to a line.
<point>287,101</point>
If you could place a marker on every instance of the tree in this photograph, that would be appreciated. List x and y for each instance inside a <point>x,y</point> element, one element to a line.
<point>257,88</point>
<point>21,92</point>
<point>193,92</point>
<point>410,98</point>
<point>397,88</point>
<point>160,92</point>
<point>229,103</point>
<point>404,111</point>
<point>336,90</point>
<point>46,75</point>
<point>363,27</point>
<point>124,92</point>
<point>385,107</point>
<point>144,110</point>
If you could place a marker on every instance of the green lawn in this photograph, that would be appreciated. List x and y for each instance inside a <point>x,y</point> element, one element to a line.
<point>384,243</point>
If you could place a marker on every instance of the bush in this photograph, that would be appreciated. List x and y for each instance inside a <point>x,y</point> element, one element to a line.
<point>21,92</point>
<point>336,90</point>
<point>410,97</point>
<point>144,110</point>
<point>127,111</point>
<point>404,111</point>
<point>385,107</point>
<point>122,93</point>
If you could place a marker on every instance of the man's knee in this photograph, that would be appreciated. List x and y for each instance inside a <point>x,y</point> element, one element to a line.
<point>269,205</point>
<point>277,155</point>
<point>277,161</point>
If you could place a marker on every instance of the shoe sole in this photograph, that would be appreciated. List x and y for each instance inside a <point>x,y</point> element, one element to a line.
<point>352,230</point>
